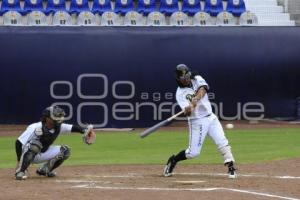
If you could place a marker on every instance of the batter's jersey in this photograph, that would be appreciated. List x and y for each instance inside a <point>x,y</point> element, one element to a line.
<point>184,96</point>
<point>35,131</point>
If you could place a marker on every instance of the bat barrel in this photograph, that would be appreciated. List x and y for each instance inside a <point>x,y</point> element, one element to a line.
<point>153,128</point>
<point>160,124</point>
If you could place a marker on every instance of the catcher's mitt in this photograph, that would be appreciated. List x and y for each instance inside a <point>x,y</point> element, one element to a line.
<point>89,135</point>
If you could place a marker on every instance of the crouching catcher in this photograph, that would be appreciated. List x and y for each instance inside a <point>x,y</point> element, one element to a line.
<point>35,143</point>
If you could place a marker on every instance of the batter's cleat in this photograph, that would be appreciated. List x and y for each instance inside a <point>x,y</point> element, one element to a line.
<point>169,166</point>
<point>21,176</point>
<point>41,172</point>
<point>231,170</point>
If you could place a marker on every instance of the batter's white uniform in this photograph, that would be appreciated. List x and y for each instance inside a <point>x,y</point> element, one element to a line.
<point>33,131</point>
<point>202,121</point>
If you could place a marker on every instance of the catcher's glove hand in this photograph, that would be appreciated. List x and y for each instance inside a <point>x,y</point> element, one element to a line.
<point>89,135</point>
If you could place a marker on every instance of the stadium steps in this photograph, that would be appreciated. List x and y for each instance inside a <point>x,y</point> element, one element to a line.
<point>294,10</point>
<point>269,13</point>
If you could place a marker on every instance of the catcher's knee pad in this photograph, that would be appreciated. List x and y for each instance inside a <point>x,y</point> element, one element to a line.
<point>35,146</point>
<point>226,153</point>
<point>65,152</point>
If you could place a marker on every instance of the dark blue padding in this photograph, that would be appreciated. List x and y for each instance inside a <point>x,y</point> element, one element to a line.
<point>54,7</point>
<point>191,9</point>
<point>144,8</point>
<point>29,6</point>
<point>168,9</point>
<point>239,58</point>
<point>15,6</point>
<point>121,8</point>
<point>236,10</point>
<point>213,10</point>
<point>101,8</point>
<point>77,8</point>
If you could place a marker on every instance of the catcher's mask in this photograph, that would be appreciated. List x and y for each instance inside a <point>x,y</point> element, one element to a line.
<point>55,113</point>
<point>183,75</point>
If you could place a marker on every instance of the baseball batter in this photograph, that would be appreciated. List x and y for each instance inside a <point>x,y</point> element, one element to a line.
<point>34,144</point>
<point>192,97</point>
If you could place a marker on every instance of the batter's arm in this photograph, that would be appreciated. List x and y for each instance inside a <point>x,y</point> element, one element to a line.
<point>200,93</point>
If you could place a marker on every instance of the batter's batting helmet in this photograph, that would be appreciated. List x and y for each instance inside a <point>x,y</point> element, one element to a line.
<point>182,75</point>
<point>55,113</point>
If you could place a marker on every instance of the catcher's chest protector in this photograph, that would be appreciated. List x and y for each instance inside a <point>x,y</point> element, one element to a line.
<point>48,137</point>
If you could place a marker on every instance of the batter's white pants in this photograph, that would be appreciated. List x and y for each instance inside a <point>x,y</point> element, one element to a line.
<point>211,126</point>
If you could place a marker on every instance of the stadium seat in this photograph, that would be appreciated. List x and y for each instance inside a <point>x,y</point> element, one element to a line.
<point>213,7</point>
<point>168,7</point>
<point>225,19</point>
<point>101,6</point>
<point>191,7</point>
<point>179,19</point>
<point>146,6</point>
<point>133,18</point>
<point>78,6</point>
<point>10,5</point>
<point>236,7</point>
<point>86,18</point>
<point>202,19</point>
<point>33,5</point>
<point>37,18</point>
<point>110,19</point>
<point>248,19</point>
<point>55,5</point>
<point>123,6</point>
<point>62,18</point>
<point>12,18</point>
<point>156,19</point>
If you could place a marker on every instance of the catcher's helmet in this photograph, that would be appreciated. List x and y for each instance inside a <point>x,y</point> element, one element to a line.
<point>55,113</point>
<point>182,75</point>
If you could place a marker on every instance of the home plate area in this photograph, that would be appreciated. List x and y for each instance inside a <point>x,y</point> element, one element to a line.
<point>189,182</point>
<point>270,180</point>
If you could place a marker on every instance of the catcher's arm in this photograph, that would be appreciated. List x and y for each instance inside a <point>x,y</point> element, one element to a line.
<point>89,136</point>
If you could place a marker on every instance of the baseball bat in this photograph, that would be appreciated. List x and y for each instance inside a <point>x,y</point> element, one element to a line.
<point>160,124</point>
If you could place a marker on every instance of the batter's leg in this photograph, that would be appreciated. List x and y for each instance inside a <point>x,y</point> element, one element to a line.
<point>198,131</point>
<point>216,132</point>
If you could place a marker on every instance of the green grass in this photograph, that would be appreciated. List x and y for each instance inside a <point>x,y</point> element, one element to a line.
<point>249,146</point>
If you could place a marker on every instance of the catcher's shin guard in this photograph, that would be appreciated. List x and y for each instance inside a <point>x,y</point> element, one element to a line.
<point>30,151</point>
<point>48,167</point>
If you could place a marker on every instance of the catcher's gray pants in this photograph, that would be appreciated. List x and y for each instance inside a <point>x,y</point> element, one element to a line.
<point>51,153</point>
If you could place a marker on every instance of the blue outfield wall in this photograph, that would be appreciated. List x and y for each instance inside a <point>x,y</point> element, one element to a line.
<point>123,76</point>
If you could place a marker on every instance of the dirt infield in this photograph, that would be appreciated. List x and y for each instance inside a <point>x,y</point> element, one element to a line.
<point>273,180</point>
